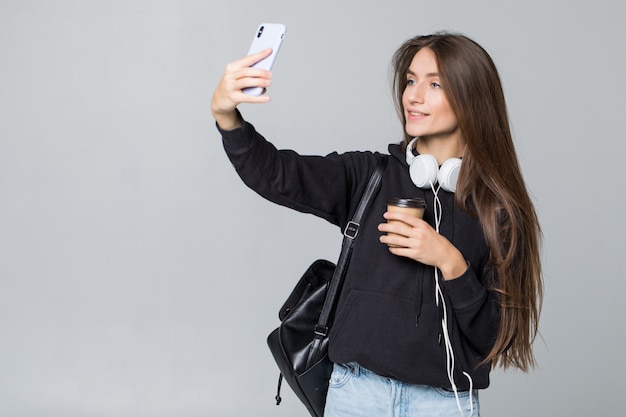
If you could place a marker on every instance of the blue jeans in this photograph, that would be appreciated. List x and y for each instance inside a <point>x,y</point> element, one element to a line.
<point>358,392</point>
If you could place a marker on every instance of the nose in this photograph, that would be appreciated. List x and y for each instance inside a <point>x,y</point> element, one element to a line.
<point>414,93</point>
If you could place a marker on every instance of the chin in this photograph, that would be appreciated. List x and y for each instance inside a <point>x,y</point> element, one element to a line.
<point>414,133</point>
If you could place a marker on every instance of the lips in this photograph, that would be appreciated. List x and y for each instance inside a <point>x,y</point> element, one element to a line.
<point>416,114</point>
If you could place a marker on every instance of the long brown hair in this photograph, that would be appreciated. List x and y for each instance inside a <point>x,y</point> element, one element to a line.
<point>490,185</point>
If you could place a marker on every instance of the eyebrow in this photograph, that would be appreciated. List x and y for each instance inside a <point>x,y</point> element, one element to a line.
<point>429,75</point>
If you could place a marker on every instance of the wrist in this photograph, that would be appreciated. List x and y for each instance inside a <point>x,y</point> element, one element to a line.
<point>228,121</point>
<point>454,266</point>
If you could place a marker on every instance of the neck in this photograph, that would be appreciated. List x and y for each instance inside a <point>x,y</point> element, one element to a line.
<point>441,148</point>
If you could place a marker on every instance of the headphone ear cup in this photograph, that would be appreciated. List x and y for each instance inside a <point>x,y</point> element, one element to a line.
<point>423,170</point>
<point>449,174</point>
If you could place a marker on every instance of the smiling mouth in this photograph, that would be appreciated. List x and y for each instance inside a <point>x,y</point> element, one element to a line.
<point>417,114</point>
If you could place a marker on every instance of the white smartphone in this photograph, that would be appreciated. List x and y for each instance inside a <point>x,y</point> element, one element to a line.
<point>267,35</point>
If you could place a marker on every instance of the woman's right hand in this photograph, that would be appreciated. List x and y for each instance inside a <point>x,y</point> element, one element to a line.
<point>228,94</point>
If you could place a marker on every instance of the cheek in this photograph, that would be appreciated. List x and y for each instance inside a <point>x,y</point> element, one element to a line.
<point>452,117</point>
<point>405,101</point>
<point>445,111</point>
<point>449,115</point>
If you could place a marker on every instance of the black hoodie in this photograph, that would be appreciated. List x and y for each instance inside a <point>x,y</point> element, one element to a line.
<point>387,318</point>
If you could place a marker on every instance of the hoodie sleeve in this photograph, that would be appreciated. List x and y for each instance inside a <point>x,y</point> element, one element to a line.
<point>476,309</point>
<point>320,185</point>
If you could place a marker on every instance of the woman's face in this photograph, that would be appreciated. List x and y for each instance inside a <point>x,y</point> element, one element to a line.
<point>426,108</point>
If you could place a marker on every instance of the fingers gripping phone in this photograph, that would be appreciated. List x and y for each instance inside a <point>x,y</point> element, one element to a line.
<point>267,35</point>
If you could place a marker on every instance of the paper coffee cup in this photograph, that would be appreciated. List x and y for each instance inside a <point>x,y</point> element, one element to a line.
<point>414,206</point>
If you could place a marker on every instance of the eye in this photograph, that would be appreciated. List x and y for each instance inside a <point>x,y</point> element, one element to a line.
<point>435,85</point>
<point>409,81</point>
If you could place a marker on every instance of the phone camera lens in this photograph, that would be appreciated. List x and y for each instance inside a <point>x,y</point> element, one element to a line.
<point>258,35</point>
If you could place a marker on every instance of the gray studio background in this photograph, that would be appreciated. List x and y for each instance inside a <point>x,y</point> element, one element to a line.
<point>139,277</point>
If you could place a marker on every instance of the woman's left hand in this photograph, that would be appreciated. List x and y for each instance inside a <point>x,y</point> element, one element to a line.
<point>415,239</point>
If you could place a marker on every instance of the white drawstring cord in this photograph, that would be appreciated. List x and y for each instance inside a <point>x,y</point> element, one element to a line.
<point>444,321</point>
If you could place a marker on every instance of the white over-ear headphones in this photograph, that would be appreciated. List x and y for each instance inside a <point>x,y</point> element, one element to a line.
<point>425,170</point>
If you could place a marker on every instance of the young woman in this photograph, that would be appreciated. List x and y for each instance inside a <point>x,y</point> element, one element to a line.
<point>426,312</point>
